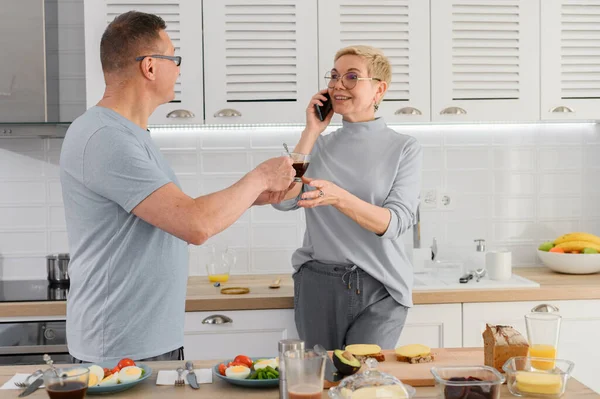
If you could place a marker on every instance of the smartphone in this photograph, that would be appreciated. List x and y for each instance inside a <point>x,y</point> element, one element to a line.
<point>323,111</point>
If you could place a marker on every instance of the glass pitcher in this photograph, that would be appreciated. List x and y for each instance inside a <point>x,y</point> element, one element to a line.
<point>219,263</point>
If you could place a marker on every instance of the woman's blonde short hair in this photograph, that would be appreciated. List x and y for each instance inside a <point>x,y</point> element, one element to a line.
<point>378,64</point>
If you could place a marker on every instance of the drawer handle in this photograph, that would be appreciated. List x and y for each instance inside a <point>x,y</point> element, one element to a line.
<point>227,113</point>
<point>544,307</point>
<point>181,113</point>
<point>562,108</point>
<point>408,111</point>
<point>453,111</point>
<point>217,319</point>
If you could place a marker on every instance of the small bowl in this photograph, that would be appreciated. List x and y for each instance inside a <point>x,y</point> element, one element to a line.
<point>570,263</point>
<point>523,379</point>
<point>487,387</point>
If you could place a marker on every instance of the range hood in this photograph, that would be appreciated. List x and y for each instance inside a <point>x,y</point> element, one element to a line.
<point>28,104</point>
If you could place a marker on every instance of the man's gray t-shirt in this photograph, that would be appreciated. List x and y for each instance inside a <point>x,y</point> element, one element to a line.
<point>128,278</point>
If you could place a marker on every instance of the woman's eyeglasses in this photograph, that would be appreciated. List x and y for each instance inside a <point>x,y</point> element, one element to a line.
<point>349,79</point>
<point>175,58</point>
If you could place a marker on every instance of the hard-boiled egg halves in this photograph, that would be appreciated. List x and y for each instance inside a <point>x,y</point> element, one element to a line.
<point>129,374</point>
<point>262,364</point>
<point>237,372</point>
<point>109,381</point>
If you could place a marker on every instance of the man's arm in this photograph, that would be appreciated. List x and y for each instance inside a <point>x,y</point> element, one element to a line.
<point>194,220</point>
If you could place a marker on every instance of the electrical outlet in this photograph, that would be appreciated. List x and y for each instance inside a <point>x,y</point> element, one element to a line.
<point>446,201</point>
<point>429,198</point>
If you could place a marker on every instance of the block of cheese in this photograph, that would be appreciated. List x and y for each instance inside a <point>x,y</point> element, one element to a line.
<point>500,343</point>
<point>541,383</point>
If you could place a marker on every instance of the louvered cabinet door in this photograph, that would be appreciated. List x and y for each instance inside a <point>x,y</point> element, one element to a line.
<point>570,46</point>
<point>260,62</point>
<point>184,26</point>
<point>398,27</point>
<point>485,60</point>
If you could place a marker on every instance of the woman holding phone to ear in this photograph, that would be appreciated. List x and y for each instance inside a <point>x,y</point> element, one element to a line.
<point>353,280</point>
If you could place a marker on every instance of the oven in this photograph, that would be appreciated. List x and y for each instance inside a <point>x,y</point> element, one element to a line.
<point>26,342</point>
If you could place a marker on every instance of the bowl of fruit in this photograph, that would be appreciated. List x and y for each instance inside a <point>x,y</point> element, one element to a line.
<point>573,253</point>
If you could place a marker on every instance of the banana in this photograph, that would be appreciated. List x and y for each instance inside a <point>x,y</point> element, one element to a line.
<point>577,237</point>
<point>571,246</point>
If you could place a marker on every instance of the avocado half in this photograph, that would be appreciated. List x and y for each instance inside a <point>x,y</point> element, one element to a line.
<point>345,362</point>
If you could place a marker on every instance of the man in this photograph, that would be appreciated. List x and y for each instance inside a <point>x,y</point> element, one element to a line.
<point>128,222</point>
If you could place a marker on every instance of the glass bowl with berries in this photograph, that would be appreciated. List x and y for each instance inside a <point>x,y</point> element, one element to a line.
<point>468,382</point>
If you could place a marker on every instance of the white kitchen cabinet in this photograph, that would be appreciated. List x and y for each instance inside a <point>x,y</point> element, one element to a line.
<point>578,340</point>
<point>401,30</point>
<point>260,62</point>
<point>251,332</point>
<point>485,60</point>
<point>437,326</point>
<point>570,59</point>
<point>184,26</point>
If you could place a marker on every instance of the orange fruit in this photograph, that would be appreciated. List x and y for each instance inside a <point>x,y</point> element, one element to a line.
<point>557,250</point>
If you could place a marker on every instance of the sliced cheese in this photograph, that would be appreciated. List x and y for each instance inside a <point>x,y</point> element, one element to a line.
<point>534,382</point>
<point>381,392</point>
<point>414,350</point>
<point>363,349</point>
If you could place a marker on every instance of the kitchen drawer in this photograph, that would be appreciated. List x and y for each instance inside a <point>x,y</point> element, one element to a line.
<point>250,332</point>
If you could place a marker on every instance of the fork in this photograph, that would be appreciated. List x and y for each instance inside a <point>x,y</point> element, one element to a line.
<point>21,384</point>
<point>179,382</point>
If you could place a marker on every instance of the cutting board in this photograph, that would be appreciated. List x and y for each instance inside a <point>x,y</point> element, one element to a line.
<point>418,375</point>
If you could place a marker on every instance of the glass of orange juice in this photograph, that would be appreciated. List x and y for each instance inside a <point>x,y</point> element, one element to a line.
<point>219,263</point>
<point>542,332</point>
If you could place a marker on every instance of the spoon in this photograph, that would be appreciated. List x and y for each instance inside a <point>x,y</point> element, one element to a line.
<point>287,149</point>
<point>275,284</point>
<point>479,273</point>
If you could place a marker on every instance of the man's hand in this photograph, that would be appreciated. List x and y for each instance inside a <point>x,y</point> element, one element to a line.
<point>277,173</point>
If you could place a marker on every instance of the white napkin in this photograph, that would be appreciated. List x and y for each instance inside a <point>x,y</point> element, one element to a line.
<point>168,377</point>
<point>19,377</point>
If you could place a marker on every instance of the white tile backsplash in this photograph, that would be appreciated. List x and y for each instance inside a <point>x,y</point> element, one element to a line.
<point>511,185</point>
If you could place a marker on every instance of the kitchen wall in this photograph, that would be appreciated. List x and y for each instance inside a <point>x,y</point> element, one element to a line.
<point>513,185</point>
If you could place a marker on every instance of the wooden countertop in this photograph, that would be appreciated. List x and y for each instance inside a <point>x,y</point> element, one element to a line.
<point>202,296</point>
<point>219,389</point>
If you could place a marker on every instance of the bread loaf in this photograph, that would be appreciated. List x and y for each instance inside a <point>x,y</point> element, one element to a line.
<point>500,343</point>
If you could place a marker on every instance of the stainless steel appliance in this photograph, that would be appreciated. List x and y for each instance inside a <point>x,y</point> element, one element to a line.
<point>58,269</point>
<point>25,341</point>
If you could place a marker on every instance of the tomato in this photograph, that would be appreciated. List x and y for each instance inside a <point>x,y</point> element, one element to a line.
<point>125,363</point>
<point>115,370</point>
<point>222,369</point>
<point>234,363</point>
<point>107,372</point>
<point>245,360</point>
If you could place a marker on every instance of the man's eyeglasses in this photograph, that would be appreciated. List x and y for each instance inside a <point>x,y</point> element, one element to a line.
<point>349,79</point>
<point>176,58</point>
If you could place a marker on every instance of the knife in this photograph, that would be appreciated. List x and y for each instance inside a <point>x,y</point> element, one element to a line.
<point>331,372</point>
<point>31,388</point>
<point>191,377</point>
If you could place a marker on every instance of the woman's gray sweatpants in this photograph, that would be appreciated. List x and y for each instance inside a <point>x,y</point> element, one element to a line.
<point>337,305</point>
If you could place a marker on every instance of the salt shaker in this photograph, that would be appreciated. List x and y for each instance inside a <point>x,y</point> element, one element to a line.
<point>286,345</point>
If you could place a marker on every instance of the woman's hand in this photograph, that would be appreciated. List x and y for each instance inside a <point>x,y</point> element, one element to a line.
<point>313,124</point>
<point>325,193</point>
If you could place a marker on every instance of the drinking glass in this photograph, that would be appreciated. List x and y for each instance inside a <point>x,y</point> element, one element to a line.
<point>219,263</point>
<point>304,372</point>
<point>542,333</point>
<point>71,383</point>
<point>300,164</point>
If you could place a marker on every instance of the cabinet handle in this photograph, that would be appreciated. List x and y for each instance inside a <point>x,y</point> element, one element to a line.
<point>217,319</point>
<point>453,111</point>
<point>562,108</point>
<point>408,111</point>
<point>181,113</point>
<point>544,307</point>
<point>227,113</point>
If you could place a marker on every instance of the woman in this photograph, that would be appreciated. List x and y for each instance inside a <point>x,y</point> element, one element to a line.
<point>353,280</point>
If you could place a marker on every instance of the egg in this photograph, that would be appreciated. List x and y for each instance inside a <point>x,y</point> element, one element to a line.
<point>264,363</point>
<point>109,381</point>
<point>96,375</point>
<point>237,372</point>
<point>129,374</point>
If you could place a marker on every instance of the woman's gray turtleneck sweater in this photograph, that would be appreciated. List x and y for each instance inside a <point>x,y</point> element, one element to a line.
<point>379,166</point>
